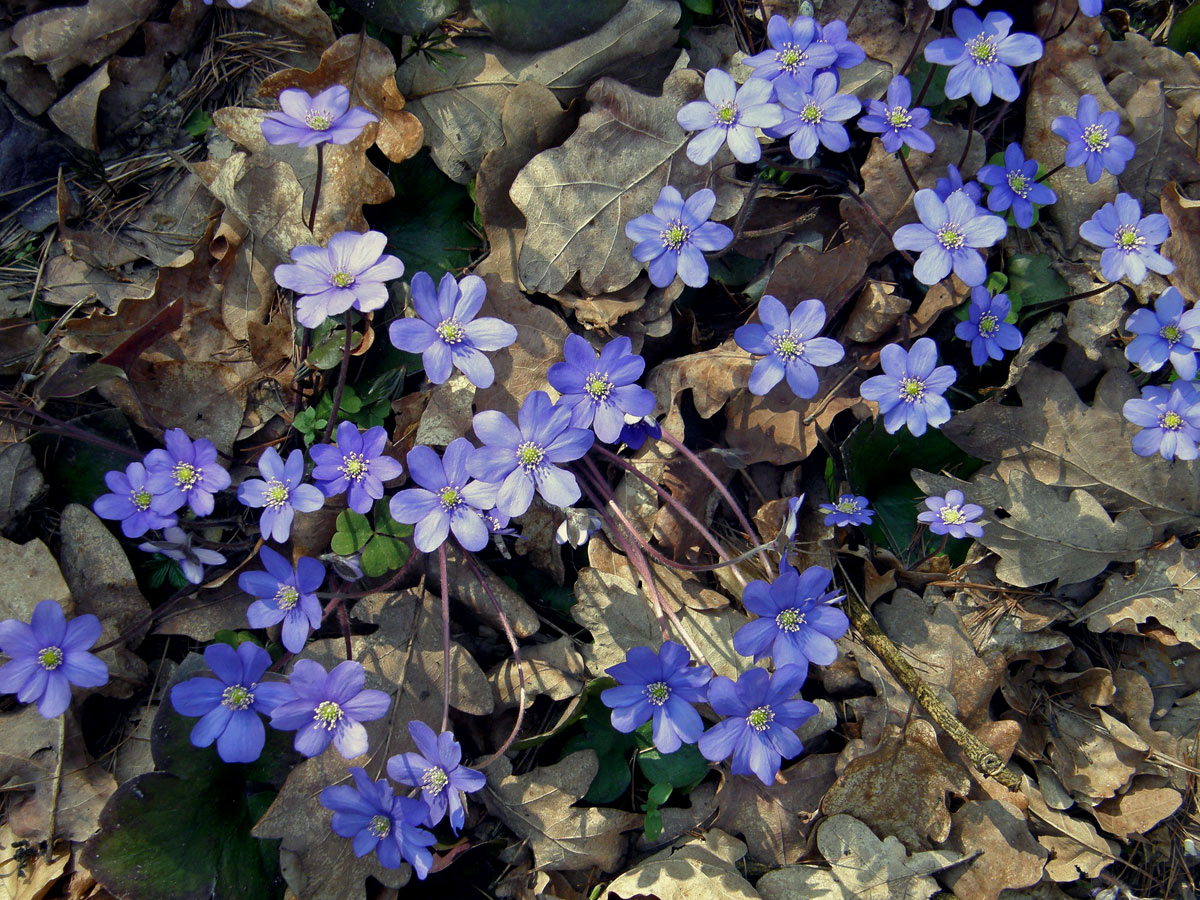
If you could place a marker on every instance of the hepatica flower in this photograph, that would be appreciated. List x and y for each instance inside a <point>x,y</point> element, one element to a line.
<point>305,120</point>
<point>1164,333</point>
<point>896,121</point>
<point>49,655</point>
<point>1015,185</point>
<point>949,237</point>
<point>835,34</point>
<point>985,328</point>
<point>636,431</point>
<point>349,271</point>
<point>447,500</point>
<point>1093,139</point>
<point>795,53</point>
<point>279,493</point>
<point>1091,7</point>
<point>953,181</point>
<point>187,472</point>
<point>436,768</point>
<point>229,705</point>
<point>330,708</point>
<point>761,718</point>
<point>378,820</point>
<point>130,502</point>
<point>524,459</point>
<point>982,54</point>
<point>910,390</point>
<point>661,687</point>
<point>177,545</point>
<point>849,509</point>
<point>1129,241</point>
<point>355,466</point>
<point>789,345</point>
<point>952,515</point>
<point>728,115</point>
<point>797,623</point>
<point>814,117</point>
<point>600,390</point>
<point>285,594</point>
<point>676,235</point>
<point>1169,422</point>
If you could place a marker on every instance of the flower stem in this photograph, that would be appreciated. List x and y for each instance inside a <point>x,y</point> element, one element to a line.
<point>925,87</point>
<point>59,427</point>
<point>908,173</point>
<point>1052,171</point>
<point>445,637</point>
<point>56,785</point>
<point>912,54</point>
<point>853,13</point>
<point>312,213</point>
<point>970,134</point>
<point>344,622</point>
<point>341,382</point>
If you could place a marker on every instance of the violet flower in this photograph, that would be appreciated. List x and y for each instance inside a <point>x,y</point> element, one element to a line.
<point>600,391</point>
<point>522,459</point>
<point>761,718</point>
<point>662,686</point>
<point>186,472</point>
<point>816,116</point>
<point>849,509</point>
<point>1164,333</point>
<point>728,115</point>
<point>898,123</point>
<point>377,819</point>
<point>436,768</point>
<point>676,235</point>
<point>229,705</point>
<point>1169,422</point>
<point>797,622</point>
<point>1091,7</point>
<point>131,502</point>
<point>285,594</point>
<point>982,54</point>
<point>177,545</point>
<point>953,181</point>
<point>942,4</point>
<point>447,500</point>
<point>835,34</point>
<point>348,272</point>
<point>796,54</point>
<point>1093,138</point>
<point>910,391</point>
<point>49,655</point>
<point>789,346</point>
<point>636,431</point>
<point>330,707</point>
<point>1015,185</point>
<point>355,466</point>
<point>985,328</point>
<point>1129,241</point>
<point>305,120</point>
<point>280,493</point>
<point>948,237</point>
<point>950,515</point>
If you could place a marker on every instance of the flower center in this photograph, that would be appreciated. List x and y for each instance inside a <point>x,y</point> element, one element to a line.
<point>951,237</point>
<point>912,389</point>
<point>450,497</point>
<point>1095,138</point>
<point>597,386</point>
<point>380,826</point>
<point>790,620</point>
<point>287,597</point>
<point>727,114</point>
<point>898,117</point>
<point>1171,421</point>
<point>982,50</point>
<point>237,697</point>
<point>988,324</point>
<point>341,279</point>
<point>50,658</point>
<point>791,58</point>
<point>1170,333</point>
<point>847,506</point>
<point>1128,238</point>
<point>276,494</point>
<point>952,515</point>
<point>1019,184</point>
<point>760,719</point>
<point>354,466</point>
<point>318,119</point>
<point>434,780</point>
<point>450,331</point>
<point>657,693</point>
<point>812,113</point>
<point>140,498</point>
<point>675,235</point>
<point>530,455</point>
<point>788,346</point>
<point>186,475</point>
<point>327,715</point>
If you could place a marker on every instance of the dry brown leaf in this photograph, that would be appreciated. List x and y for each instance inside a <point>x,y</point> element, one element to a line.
<point>1076,848</point>
<point>75,113</point>
<point>829,276</point>
<point>1137,810</point>
<point>875,313</point>
<point>31,576</point>
<point>713,377</point>
<point>1183,246</point>
<point>466,589</point>
<point>1008,856</point>
<point>20,482</point>
<point>700,869</point>
<point>34,880</point>
<point>556,670</point>
<point>68,36</point>
<point>69,281</point>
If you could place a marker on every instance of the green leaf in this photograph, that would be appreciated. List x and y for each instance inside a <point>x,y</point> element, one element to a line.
<point>198,123</point>
<point>525,24</point>
<point>680,769</point>
<point>652,825</point>
<point>612,749</point>
<point>427,223</point>
<point>703,7</point>
<point>353,531</point>
<point>383,554</point>
<point>385,524</point>
<point>1185,32</point>
<point>328,353</point>
<point>1032,278</point>
<point>404,16</point>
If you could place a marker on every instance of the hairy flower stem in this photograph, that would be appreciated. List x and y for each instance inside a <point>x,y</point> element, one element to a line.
<point>853,13</point>
<point>312,213</point>
<point>445,636</point>
<point>908,173</point>
<point>1052,171</point>
<point>970,133</point>
<point>344,622</point>
<point>341,382</point>
<point>59,427</point>
<point>912,54</point>
<point>925,87</point>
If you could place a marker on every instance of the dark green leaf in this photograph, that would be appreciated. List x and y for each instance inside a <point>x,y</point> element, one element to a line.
<point>1185,32</point>
<point>198,123</point>
<point>680,769</point>
<point>427,227</point>
<point>404,16</point>
<point>612,748</point>
<point>658,794</point>
<point>328,353</point>
<point>353,531</point>
<point>703,7</point>
<point>383,554</point>
<point>652,825</point>
<point>1032,278</point>
<point>526,24</point>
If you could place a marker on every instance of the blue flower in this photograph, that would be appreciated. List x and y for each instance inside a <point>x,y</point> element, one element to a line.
<point>982,54</point>
<point>985,327</point>
<point>285,594</point>
<point>1091,7</point>
<point>131,502</point>
<point>324,708</point>
<point>281,494</point>
<point>636,431</point>
<point>1129,241</point>
<point>797,623</point>
<point>600,391</point>
<point>676,235</point>
<point>759,731</point>
<point>1169,422</point>
<point>447,500</point>
<point>229,705</point>
<point>355,466</point>
<point>948,236</point>
<point>942,4</point>
<point>49,655</point>
<point>729,115</point>
<point>950,515</point>
<point>1164,333</point>
<point>186,472</point>
<point>848,510</point>
<point>910,391</point>
<point>305,120</point>
<point>835,34</point>
<point>816,116</point>
<point>176,544</point>
<point>897,121</point>
<point>438,771</point>
<point>789,346</point>
<point>350,271</point>
<point>1015,185</point>
<point>660,686</point>
<point>377,819</point>
<point>796,53</point>
<point>953,181</point>
<point>1093,140</point>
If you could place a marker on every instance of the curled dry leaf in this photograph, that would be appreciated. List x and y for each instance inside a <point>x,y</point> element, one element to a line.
<point>713,376</point>
<point>555,669</point>
<point>68,36</point>
<point>20,482</point>
<point>700,869</point>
